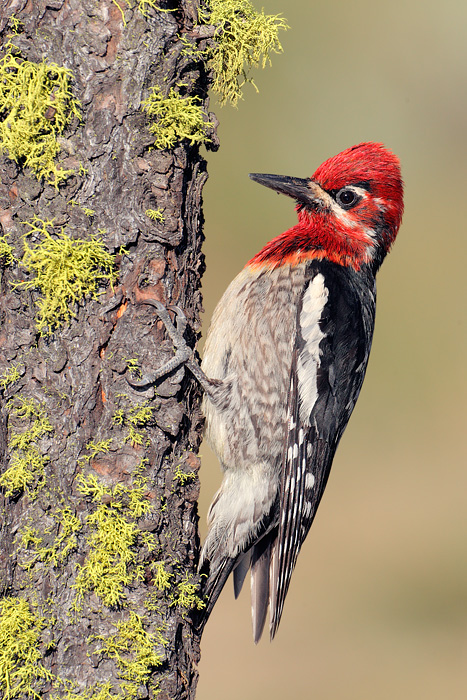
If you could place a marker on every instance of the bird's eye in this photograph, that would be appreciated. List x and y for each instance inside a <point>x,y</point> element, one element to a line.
<point>347,198</point>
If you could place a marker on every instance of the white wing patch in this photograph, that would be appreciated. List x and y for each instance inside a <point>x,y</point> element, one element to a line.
<point>314,301</point>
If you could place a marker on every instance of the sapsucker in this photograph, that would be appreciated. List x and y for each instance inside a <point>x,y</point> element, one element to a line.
<point>283,365</point>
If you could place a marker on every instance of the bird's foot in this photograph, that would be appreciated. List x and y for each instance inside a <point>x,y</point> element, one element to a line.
<point>183,353</point>
<point>175,332</point>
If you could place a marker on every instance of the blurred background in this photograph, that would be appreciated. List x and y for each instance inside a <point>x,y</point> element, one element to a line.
<point>377,606</point>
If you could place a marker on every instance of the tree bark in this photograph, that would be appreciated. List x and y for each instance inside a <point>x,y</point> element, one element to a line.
<point>100,543</point>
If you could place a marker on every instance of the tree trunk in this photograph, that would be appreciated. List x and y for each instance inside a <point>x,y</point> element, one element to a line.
<point>99,470</point>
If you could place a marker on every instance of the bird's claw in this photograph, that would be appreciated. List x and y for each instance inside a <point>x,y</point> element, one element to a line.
<point>151,377</point>
<point>183,353</point>
<point>175,331</point>
<point>180,317</point>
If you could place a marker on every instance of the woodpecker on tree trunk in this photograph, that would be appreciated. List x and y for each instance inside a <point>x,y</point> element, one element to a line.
<point>283,365</point>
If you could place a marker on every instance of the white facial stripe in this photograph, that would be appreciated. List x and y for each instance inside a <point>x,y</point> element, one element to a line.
<point>346,218</point>
<point>360,191</point>
<point>330,202</point>
<point>380,203</point>
<point>319,193</point>
<point>344,215</point>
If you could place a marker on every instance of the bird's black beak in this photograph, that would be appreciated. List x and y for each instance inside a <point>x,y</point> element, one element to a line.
<point>303,190</point>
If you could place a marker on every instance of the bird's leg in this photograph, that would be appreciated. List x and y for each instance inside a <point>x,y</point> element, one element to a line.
<point>183,353</point>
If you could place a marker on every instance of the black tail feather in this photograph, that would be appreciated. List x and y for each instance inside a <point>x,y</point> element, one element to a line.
<point>214,580</point>
<point>260,559</point>
<point>240,572</point>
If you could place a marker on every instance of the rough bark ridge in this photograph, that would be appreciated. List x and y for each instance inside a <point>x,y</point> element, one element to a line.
<point>97,543</point>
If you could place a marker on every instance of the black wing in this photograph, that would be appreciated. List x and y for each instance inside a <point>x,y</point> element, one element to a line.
<point>333,340</point>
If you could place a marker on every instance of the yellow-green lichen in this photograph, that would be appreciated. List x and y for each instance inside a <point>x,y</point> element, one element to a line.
<point>143,7</point>
<point>132,365</point>
<point>56,552</point>
<point>183,477</point>
<point>244,38</point>
<point>10,375</point>
<point>186,594</point>
<point>100,447</point>
<point>66,540</point>
<point>27,463</point>
<point>133,650</point>
<point>36,105</point>
<point>155,214</point>
<point>161,577</point>
<point>21,673</point>
<point>30,537</point>
<point>131,498</point>
<point>97,691</point>
<point>175,118</point>
<point>161,585</point>
<point>177,587</point>
<point>15,24</point>
<point>65,270</point>
<point>135,420</point>
<point>112,562</point>
<point>6,253</point>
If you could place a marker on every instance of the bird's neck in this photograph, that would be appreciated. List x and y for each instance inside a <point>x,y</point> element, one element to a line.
<point>315,240</point>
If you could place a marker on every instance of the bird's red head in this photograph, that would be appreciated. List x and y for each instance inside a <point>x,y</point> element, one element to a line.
<point>349,211</point>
